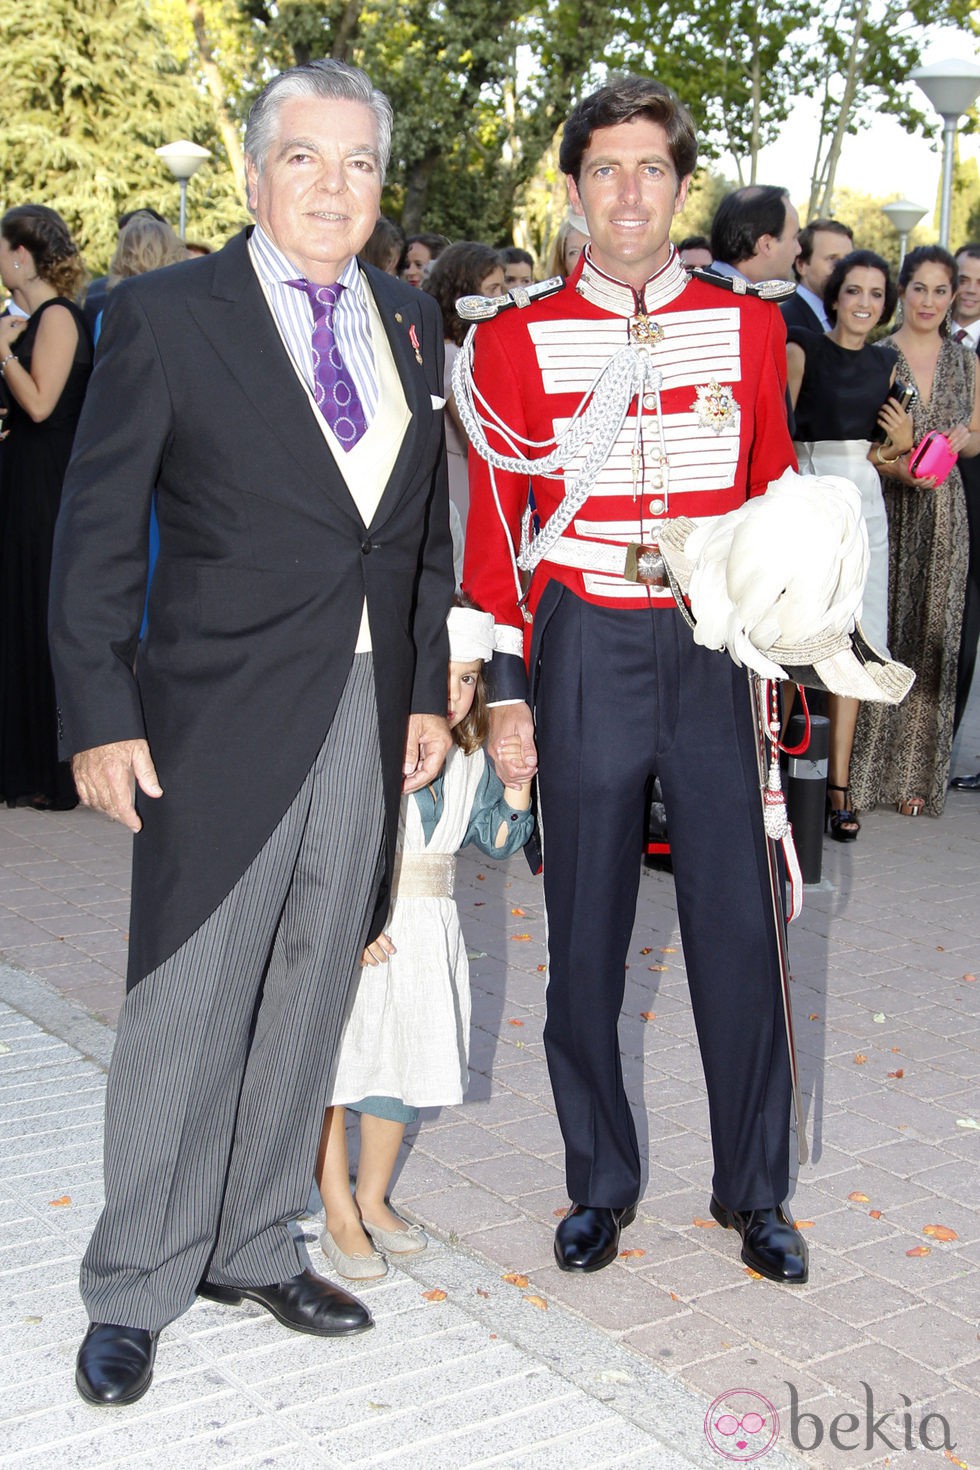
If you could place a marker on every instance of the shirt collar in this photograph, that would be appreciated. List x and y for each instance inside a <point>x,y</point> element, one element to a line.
<point>813,301</point>
<point>972,331</point>
<point>273,267</point>
<point>624,300</point>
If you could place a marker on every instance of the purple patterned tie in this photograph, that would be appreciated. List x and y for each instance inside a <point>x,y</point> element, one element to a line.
<point>960,335</point>
<point>333,387</point>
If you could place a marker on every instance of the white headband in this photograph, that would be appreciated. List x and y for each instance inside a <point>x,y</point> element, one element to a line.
<point>470,635</point>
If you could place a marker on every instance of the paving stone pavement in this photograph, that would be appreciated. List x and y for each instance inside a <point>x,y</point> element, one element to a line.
<point>876,1362</point>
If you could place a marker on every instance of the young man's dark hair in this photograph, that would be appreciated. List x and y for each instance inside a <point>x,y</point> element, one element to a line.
<point>514,255</point>
<point>622,99</point>
<point>743,217</point>
<point>971,248</point>
<point>695,242</point>
<point>124,219</point>
<point>830,226</point>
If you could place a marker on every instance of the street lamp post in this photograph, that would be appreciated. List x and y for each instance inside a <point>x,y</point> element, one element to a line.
<point>904,215</point>
<point>183,159</point>
<point>952,87</point>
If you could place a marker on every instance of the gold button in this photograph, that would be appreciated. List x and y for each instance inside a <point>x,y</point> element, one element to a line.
<point>398,316</point>
<point>657,507</point>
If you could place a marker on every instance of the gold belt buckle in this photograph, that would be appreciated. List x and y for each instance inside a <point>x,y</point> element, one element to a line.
<point>645,564</point>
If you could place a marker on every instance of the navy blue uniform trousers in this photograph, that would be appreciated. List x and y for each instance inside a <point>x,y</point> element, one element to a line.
<point>621,697</point>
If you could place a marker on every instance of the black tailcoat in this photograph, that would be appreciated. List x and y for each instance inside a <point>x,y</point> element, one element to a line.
<point>263,566</point>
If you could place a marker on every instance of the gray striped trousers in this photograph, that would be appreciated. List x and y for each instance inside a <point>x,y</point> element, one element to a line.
<point>223,1054</point>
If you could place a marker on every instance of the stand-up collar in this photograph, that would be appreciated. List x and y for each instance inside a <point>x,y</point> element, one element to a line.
<point>624,300</point>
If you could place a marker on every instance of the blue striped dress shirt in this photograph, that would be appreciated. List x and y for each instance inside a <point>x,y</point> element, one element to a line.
<point>294,316</point>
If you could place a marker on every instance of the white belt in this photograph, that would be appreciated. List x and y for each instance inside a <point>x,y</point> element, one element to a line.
<point>589,556</point>
<point>424,875</point>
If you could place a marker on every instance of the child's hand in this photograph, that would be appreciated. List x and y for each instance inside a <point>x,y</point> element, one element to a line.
<point>378,951</point>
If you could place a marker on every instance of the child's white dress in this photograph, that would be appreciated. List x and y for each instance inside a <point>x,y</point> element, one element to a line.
<point>408,1033</point>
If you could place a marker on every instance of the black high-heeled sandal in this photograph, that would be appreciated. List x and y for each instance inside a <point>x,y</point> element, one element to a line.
<point>841,821</point>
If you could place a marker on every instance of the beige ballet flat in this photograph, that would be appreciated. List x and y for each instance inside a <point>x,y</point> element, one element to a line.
<point>355,1267</point>
<point>407,1242</point>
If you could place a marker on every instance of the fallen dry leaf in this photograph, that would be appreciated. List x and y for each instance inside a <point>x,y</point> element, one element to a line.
<point>813,1016</point>
<point>705,1224</point>
<point>513,1021</point>
<point>537,1301</point>
<point>64,1199</point>
<point>632,1253</point>
<point>899,1073</point>
<point>961,1463</point>
<point>897,1050</point>
<point>939,1232</point>
<point>879,1018</point>
<point>803,1224</point>
<point>669,949</point>
<point>648,1015</point>
<point>859,1198</point>
<point>514,1278</point>
<point>656,967</point>
<point>481,877</point>
<point>967,1123</point>
<point>524,938</point>
<point>435,1295</point>
<point>518,913</point>
<point>859,1059</point>
<point>648,950</point>
<point>479,904</point>
<point>754,1274</point>
<point>674,1297</point>
<point>875,1214</point>
<point>920,1250</point>
<point>970,979</point>
<point>559,1214</point>
<point>480,1292</point>
<point>541,969</point>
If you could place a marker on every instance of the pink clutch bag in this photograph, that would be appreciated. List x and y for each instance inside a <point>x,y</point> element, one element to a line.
<point>933,455</point>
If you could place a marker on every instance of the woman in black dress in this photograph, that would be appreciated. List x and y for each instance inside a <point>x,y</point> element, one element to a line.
<point>45,362</point>
<point>839,385</point>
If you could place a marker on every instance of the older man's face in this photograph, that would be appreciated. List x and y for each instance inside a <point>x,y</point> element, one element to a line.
<point>318,193</point>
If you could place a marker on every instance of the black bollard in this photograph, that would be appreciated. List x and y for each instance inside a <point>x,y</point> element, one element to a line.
<point>806,791</point>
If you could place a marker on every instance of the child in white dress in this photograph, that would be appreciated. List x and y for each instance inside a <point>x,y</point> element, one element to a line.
<point>406,1042</point>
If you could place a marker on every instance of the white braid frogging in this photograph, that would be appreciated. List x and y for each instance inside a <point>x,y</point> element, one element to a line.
<point>596,422</point>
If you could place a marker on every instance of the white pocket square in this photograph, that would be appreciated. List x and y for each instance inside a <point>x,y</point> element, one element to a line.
<point>437,402</point>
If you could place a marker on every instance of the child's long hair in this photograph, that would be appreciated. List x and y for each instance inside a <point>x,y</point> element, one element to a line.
<point>472,731</point>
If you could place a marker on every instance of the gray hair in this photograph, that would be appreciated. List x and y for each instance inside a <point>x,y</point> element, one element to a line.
<point>334,80</point>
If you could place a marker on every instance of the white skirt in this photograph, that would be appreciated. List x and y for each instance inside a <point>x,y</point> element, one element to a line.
<point>848,458</point>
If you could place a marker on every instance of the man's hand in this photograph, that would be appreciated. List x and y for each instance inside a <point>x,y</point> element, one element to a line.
<point>106,777</point>
<point>507,723</point>
<point>426,749</point>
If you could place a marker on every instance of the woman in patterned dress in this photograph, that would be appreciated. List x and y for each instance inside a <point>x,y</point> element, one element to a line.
<point>901,755</point>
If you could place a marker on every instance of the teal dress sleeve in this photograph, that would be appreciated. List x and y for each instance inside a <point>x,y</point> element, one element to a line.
<point>489,809</point>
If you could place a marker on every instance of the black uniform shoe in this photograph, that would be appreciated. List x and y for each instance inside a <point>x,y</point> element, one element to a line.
<point>115,1364</point>
<point>306,1303</point>
<point>588,1237</point>
<point>771,1245</point>
<point>966,783</point>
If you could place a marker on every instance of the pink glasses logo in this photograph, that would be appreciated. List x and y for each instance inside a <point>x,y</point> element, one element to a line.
<point>741,1424</point>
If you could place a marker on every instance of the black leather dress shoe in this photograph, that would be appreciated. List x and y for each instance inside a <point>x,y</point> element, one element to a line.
<point>115,1364</point>
<point>771,1245</point>
<point>588,1237</point>
<point>306,1303</point>
<point>966,783</point>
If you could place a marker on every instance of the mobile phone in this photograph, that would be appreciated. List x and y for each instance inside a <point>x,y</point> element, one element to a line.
<point>899,393</point>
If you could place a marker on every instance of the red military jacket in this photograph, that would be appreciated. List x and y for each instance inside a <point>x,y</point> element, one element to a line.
<point>713,433</point>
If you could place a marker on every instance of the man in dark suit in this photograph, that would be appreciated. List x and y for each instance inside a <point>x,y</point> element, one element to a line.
<point>965,328</point>
<point>823,242</point>
<point>281,408</point>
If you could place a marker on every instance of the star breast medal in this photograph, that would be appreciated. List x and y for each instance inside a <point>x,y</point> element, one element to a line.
<point>715,406</point>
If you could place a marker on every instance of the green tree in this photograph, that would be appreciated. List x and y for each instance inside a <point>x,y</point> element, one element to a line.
<point>860,56</point>
<point>92,89</point>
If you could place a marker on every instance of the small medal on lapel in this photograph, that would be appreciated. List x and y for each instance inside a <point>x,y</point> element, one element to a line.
<point>715,406</point>
<point>413,337</point>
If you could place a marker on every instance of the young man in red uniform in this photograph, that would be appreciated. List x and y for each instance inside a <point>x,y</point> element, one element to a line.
<point>665,396</point>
